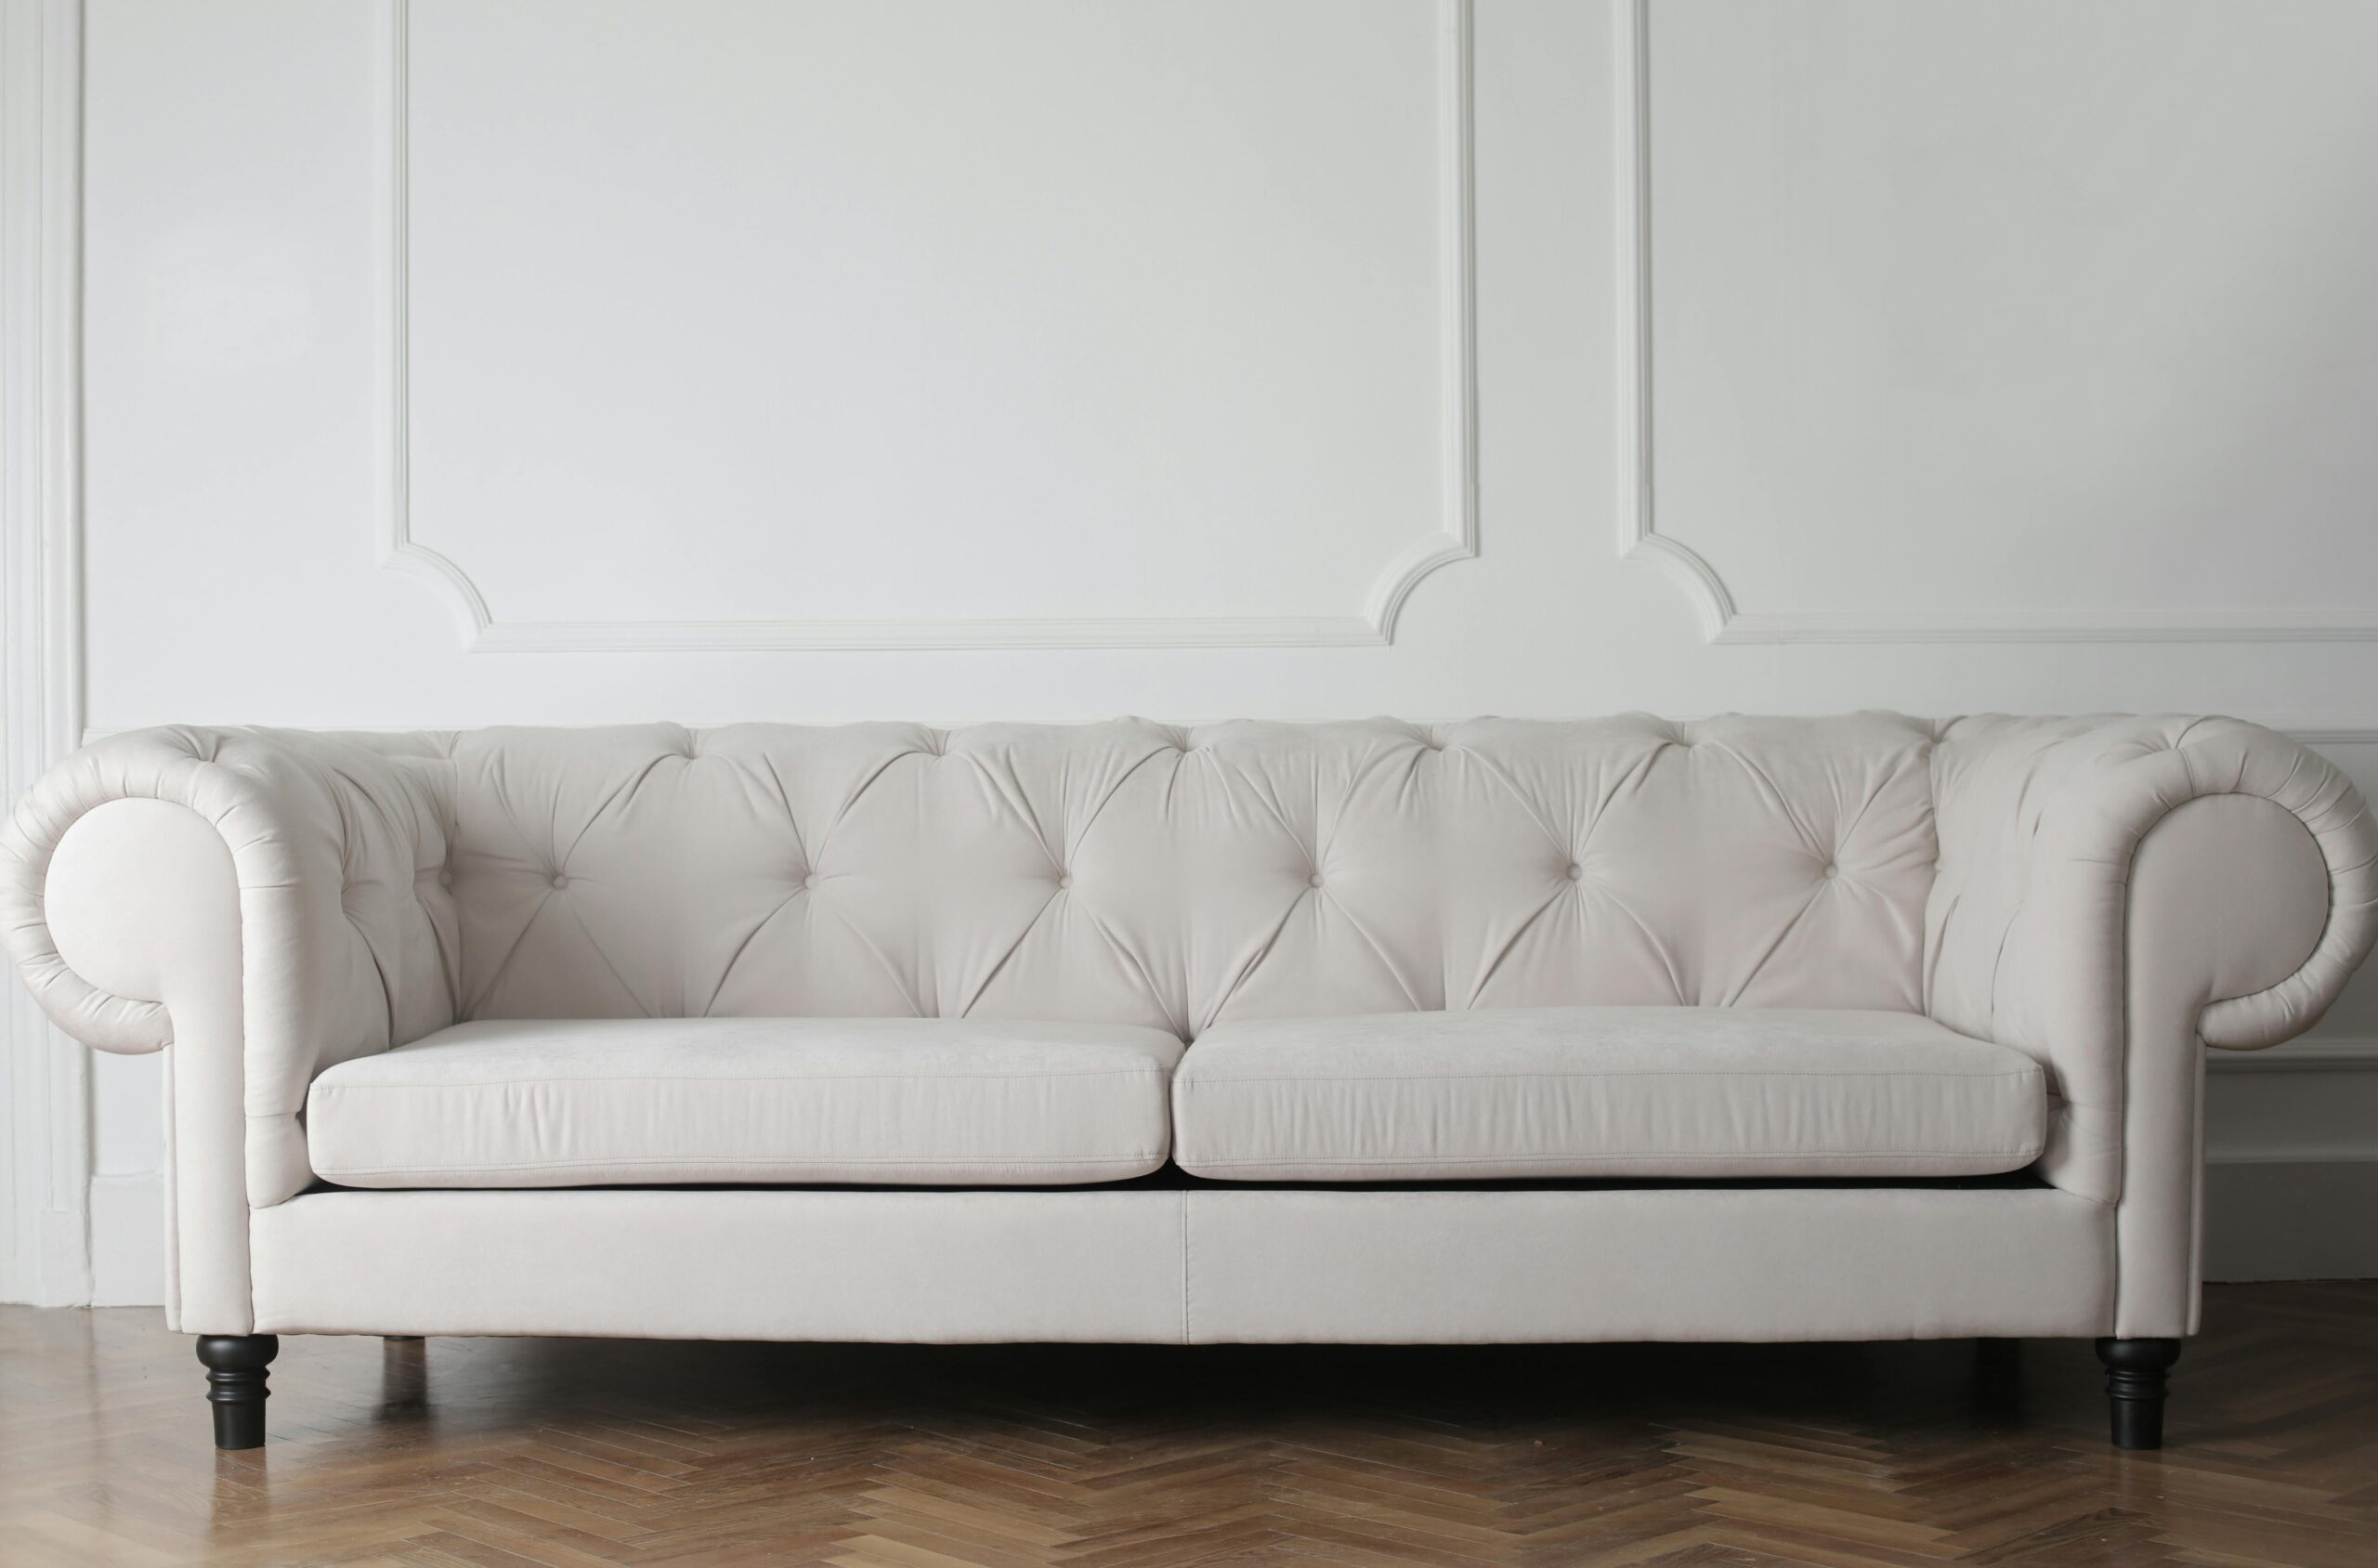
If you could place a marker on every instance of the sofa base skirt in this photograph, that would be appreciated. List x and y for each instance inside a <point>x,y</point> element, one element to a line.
<point>1190,1266</point>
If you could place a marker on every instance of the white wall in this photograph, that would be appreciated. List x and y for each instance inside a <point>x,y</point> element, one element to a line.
<point>491,360</point>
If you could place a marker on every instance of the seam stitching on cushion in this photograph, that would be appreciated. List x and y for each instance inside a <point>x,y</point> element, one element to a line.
<point>1210,1080</point>
<point>921,1162</point>
<point>324,1086</point>
<point>1814,1155</point>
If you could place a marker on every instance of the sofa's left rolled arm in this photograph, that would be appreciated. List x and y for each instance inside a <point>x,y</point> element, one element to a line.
<point>336,843</point>
<point>119,1005</point>
<point>266,902</point>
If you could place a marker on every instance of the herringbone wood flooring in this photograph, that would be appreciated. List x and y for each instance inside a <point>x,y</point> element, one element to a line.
<point>588,1452</point>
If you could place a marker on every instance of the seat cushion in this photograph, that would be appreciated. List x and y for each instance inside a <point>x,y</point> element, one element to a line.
<point>1655,1092</point>
<point>896,1101</point>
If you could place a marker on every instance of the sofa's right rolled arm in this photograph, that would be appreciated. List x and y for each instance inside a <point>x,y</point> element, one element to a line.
<point>2113,890</point>
<point>2040,821</point>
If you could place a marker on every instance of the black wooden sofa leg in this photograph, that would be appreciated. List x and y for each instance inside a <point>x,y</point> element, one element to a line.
<point>2135,1386</point>
<point>235,1375</point>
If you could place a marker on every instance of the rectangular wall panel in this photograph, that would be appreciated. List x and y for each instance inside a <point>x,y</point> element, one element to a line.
<point>926,313</point>
<point>2031,318</point>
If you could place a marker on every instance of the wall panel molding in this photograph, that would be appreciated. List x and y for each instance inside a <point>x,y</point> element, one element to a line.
<point>1455,539</point>
<point>45,1164</point>
<point>1715,611</point>
<point>1639,536</point>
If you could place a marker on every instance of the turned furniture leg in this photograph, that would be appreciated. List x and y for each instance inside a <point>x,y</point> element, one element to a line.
<point>235,1377</point>
<point>2135,1386</point>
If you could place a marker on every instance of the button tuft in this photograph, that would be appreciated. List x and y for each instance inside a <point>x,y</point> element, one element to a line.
<point>560,881</point>
<point>1577,873</point>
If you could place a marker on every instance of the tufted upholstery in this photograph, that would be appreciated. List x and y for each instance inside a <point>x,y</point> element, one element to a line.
<point>1134,873</point>
<point>1130,873</point>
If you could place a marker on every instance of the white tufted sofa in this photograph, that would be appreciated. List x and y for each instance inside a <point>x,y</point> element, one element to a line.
<point>1862,1027</point>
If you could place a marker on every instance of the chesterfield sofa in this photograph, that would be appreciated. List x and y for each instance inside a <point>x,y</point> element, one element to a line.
<point>1865,1027</point>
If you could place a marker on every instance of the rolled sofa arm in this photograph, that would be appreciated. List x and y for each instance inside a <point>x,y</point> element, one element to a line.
<point>2113,890</point>
<point>270,903</point>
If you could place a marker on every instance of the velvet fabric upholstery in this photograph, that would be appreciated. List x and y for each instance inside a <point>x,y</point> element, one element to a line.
<point>2096,894</point>
<point>1673,1092</point>
<point>653,1100</point>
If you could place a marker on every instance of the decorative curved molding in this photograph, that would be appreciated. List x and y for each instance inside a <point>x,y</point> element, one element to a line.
<point>1404,574</point>
<point>1455,539</point>
<point>1713,607</point>
<point>1713,604</point>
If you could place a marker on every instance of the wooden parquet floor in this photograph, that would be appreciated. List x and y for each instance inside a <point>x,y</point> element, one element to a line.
<point>604,1452</point>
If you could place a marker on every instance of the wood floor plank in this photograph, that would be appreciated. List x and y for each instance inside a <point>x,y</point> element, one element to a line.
<point>574,1453</point>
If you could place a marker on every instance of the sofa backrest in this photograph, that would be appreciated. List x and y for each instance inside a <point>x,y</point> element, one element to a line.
<point>1131,872</point>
